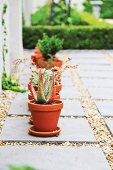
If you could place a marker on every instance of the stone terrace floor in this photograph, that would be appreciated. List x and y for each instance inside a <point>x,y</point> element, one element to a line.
<point>86,121</point>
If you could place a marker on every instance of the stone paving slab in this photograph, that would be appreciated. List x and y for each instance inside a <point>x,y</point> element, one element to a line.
<point>65,74</point>
<point>27,71</point>
<point>110,52</point>
<point>101,93</point>
<point>95,74</point>
<point>19,105</point>
<point>54,157</point>
<point>105,107</point>
<point>88,58</point>
<point>89,82</point>
<point>75,130</point>
<point>69,93</point>
<point>24,79</point>
<point>96,67</point>
<point>110,124</point>
<point>86,53</point>
<point>72,108</point>
<point>90,61</point>
<point>66,81</point>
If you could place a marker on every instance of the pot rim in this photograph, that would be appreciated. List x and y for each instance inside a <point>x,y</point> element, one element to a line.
<point>58,105</point>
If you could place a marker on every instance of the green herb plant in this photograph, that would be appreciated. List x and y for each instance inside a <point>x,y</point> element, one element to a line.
<point>87,6</point>
<point>13,167</point>
<point>10,83</point>
<point>49,46</point>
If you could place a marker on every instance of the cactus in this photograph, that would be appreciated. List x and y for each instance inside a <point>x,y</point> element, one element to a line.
<point>45,86</point>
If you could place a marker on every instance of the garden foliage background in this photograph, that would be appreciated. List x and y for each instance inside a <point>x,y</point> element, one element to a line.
<point>80,30</point>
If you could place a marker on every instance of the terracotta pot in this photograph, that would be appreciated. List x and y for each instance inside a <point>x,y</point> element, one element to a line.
<point>37,51</point>
<point>36,56</point>
<point>57,97</point>
<point>58,88</point>
<point>44,64</point>
<point>45,116</point>
<point>33,58</point>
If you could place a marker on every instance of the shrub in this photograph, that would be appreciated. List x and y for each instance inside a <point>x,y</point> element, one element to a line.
<point>92,20</point>
<point>42,17</point>
<point>76,19</point>
<point>49,46</point>
<point>75,37</point>
<point>59,13</point>
<point>87,6</point>
<point>107,9</point>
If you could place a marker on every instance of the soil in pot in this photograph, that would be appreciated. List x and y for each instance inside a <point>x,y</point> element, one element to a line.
<point>45,116</point>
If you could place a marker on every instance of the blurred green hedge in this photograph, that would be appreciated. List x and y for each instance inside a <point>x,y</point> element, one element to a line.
<point>75,37</point>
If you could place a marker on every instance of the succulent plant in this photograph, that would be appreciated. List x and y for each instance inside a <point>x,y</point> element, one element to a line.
<point>45,87</point>
<point>57,74</point>
<point>35,78</point>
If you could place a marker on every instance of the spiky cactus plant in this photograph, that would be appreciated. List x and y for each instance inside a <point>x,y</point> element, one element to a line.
<point>45,86</point>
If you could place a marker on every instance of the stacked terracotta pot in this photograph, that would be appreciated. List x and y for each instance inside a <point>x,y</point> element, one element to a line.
<point>44,116</point>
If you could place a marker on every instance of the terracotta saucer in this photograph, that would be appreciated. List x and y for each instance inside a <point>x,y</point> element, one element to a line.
<point>33,132</point>
<point>30,120</point>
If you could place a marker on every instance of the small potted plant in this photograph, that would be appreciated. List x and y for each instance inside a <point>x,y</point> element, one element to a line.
<point>49,46</point>
<point>45,110</point>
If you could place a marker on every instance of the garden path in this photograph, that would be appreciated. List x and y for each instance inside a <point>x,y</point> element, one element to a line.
<point>86,139</point>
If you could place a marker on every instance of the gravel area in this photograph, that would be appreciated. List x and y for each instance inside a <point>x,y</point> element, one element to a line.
<point>49,144</point>
<point>96,120</point>
<point>5,101</point>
